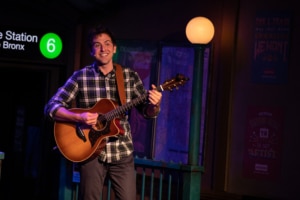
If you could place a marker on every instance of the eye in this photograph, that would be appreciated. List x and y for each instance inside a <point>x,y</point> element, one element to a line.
<point>108,43</point>
<point>96,45</point>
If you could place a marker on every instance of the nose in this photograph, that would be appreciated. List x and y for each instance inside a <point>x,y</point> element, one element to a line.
<point>102,47</point>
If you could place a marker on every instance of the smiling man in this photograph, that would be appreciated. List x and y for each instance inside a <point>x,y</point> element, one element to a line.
<point>107,154</point>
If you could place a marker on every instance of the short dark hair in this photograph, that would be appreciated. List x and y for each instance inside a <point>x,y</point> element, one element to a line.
<point>99,29</point>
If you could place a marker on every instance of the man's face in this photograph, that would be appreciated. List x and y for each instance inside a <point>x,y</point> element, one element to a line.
<point>103,49</point>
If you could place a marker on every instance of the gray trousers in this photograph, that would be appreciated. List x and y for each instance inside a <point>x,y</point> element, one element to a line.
<point>122,175</point>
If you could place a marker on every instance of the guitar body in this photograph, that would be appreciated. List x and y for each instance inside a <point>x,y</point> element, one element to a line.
<point>78,147</point>
<point>79,142</point>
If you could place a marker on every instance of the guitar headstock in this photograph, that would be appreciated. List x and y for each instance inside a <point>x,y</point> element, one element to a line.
<point>175,82</point>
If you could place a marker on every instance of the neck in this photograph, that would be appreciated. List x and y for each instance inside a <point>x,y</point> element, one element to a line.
<point>105,69</point>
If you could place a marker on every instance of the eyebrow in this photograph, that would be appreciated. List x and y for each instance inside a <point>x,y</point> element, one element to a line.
<point>104,41</point>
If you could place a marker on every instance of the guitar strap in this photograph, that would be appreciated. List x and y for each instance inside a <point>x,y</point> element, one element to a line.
<point>120,83</point>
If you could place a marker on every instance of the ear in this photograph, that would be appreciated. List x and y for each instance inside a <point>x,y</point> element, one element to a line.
<point>115,49</point>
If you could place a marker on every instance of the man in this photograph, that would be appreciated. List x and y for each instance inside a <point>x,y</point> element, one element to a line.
<point>88,86</point>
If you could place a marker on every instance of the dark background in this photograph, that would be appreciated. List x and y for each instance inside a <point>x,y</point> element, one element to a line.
<point>29,83</point>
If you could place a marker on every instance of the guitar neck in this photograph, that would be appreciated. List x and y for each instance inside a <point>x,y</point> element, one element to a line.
<point>124,108</point>
<point>167,85</point>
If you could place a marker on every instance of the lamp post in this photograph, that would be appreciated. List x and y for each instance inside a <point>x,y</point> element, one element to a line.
<point>199,31</point>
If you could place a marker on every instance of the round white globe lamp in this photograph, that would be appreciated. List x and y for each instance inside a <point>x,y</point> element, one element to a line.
<point>200,30</point>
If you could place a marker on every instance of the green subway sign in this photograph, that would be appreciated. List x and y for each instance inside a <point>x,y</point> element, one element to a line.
<point>51,45</point>
<point>16,43</point>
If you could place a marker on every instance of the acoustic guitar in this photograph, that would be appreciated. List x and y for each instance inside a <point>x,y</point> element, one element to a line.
<point>78,142</point>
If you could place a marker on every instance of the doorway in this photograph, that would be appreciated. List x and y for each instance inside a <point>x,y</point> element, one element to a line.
<point>30,164</point>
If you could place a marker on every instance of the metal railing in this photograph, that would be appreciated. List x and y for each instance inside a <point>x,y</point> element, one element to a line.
<point>158,180</point>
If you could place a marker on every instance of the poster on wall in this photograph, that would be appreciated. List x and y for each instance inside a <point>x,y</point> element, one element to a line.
<point>263,143</point>
<point>271,47</point>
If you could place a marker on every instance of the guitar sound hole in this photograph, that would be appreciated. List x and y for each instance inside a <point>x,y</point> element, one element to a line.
<point>101,124</point>
<point>94,134</point>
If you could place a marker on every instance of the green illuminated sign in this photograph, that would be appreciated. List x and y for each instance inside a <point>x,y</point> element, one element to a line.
<point>50,45</point>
